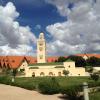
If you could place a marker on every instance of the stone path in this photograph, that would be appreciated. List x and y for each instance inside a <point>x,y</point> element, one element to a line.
<point>15,93</point>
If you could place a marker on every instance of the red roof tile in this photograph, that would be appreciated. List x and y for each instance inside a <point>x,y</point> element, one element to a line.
<point>30,59</point>
<point>15,61</point>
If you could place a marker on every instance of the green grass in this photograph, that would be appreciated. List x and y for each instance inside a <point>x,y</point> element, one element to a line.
<point>31,83</point>
<point>95,96</point>
<point>63,81</point>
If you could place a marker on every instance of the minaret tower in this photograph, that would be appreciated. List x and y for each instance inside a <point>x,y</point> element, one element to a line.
<point>41,49</point>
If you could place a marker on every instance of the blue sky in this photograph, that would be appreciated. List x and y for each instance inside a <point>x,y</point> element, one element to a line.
<point>36,12</point>
<point>70,26</point>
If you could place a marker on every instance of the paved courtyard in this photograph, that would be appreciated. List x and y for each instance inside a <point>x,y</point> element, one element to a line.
<point>15,93</point>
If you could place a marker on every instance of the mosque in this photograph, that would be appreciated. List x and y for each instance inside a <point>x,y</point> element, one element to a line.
<point>44,68</point>
<point>41,65</point>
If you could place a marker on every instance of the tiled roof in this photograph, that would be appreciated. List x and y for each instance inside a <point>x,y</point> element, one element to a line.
<point>89,55</point>
<point>52,59</point>
<point>30,59</point>
<point>15,61</point>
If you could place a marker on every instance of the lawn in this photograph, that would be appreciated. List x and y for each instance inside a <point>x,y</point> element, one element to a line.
<point>26,82</point>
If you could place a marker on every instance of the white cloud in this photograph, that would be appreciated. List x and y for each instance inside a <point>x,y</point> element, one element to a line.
<point>81,32</point>
<point>14,38</point>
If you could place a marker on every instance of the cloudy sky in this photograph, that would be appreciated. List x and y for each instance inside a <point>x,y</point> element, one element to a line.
<point>70,26</point>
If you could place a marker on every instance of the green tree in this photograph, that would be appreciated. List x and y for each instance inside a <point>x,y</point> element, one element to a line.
<point>93,61</point>
<point>65,72</point>
<point>61,59</point>
<point>89,69</point>
<point>95,76</point>
<point>79,61</point>
<point>14,72</point>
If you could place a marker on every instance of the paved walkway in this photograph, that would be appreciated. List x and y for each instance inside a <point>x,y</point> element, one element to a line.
<point>15,93</point>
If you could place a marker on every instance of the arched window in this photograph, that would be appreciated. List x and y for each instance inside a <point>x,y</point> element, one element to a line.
<point>42,74</point>
<point>50,73</point>
<point>59,73</point>
<point>33,74</point>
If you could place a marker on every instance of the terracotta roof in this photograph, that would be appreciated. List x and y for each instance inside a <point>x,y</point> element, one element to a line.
<point>52,59</point>
<point>15,61</point>
<point>3,61</point>
<point>30,59</point>
<point>89,55</point>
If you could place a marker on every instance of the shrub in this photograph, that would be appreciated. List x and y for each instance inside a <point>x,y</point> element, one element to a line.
<point>5,80</point>
<point>65,72</point>
<point>50,86</point>
<point>93,84</point>
<point>72,91</point>
<point>95,77</point>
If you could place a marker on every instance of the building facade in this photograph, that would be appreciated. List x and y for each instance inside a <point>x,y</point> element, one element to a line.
<point>42,65</point>
<point>42,68</point>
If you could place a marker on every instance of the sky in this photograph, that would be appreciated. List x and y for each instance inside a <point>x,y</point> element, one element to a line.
<point>70,26</point>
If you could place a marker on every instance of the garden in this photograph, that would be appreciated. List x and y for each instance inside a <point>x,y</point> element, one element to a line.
<point>69,86</point>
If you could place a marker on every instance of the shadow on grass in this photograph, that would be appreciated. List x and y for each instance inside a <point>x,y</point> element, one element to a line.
<point>63,97</point>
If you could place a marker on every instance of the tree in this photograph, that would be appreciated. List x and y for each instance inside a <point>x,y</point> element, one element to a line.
<point>61,59</point>
<point>79,61</point>
<point>89,69</point>
<point>95,76</point>
<point>65,72</point>
<point>93,61</point>
<point>14,72</point>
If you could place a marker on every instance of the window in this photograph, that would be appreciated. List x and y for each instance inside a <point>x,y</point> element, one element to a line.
<point>69,66</point>
<point>78,74</point>
<point>59,73</point>
<point>50,73</point>
<point>33,74</point>
<point>22,70</point>
<point>42,74</point>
